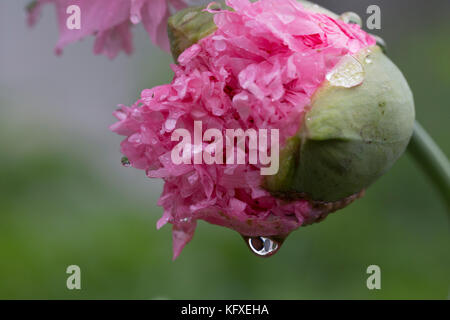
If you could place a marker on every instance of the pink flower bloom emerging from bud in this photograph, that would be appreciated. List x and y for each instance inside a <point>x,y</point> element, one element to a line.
<point>259,69</point>
<point>111,22</point>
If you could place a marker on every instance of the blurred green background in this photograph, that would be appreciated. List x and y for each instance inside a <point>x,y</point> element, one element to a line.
<point>65,199</point>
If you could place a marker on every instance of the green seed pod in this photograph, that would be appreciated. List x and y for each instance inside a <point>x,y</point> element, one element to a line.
<point>350,136</point>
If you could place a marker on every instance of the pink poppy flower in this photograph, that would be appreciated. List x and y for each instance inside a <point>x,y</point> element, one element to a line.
<point>259,69</point>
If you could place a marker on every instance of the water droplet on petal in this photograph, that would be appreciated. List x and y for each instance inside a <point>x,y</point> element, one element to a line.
<point>170,124</point>
<point>368,59</point>
<point>264,246</point>
<point>351,17</point>
<point>125,162</point>
<point>285,18</point>
<point>135,19</point>
<point>348,73</point>
<point>220,45</point>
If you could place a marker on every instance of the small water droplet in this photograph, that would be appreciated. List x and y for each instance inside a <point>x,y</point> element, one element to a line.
<point>214,6</point>
<point>220,45</point>
<point>348,73</point>
<point>380,42</point>
<point>125,162</point>
<point>351,17</point>
<point>286,18</point>
<point>135,19</point>
<point>368,59</point>
<point>264,246</point>
<point>170,124</point>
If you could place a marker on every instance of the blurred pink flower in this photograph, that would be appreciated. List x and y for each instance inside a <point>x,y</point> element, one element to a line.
<point>259,69</point>
<point>110,21</point>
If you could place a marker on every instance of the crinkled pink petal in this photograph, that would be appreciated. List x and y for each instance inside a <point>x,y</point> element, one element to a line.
<point>111,41</point>
<point>182,233</point>
<point>155,14</point>
<point>258,70</point>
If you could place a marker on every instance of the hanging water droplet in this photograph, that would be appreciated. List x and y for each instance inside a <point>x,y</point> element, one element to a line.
<point>351,17</point>
<point>264,246</point>
<point>348,73</point>
<point>380,42</point>
<point>125,162</point>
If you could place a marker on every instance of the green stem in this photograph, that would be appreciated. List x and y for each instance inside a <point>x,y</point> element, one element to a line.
<point>432,160</point>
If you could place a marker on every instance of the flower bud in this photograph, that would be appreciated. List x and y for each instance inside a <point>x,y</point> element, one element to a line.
<point>341,111</point>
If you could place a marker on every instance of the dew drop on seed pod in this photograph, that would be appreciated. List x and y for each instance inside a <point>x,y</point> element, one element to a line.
<point>348,73</point>
<point>381,43</point>
<point>214,6</point>
<point>351,17</point>
<point>125,162</point>
<point>263,246</point>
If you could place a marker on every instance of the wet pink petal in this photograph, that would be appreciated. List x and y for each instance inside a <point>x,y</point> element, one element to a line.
<point>154,18</point>
<point>111,21</point>
<point>112,41</point>
<point>182,233</point>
